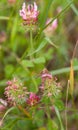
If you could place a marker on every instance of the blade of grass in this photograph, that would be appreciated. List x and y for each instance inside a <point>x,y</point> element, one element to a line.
<point>59,118</point>
<point>63,70</point>
<point>14,29</point>
<point>50,42</point>
<point>44,15</point>
<point>9,110</point>
<point>57,16</point>
<point>75,10</point>
<point>43,43</point>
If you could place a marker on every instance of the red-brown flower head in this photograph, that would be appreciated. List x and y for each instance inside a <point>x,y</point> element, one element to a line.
<point>33,99</point>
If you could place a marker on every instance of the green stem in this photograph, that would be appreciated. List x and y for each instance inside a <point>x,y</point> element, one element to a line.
<point>35,83</point>
<point>32,56</point>
<point>31,42</point>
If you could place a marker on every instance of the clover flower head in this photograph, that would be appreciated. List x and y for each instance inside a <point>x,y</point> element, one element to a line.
<point>49,87</point>
<point>15,92</point>
<point>45,74</point>
<point>51,28</point>
<point>59,9</point>
<point>33,99</point>
<point>29,14</point>
<point>53,25</point>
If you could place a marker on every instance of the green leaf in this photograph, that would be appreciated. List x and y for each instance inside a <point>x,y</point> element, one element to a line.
<point>14,29</point>
<point>10,124</point>
<point>39,60</point>
<point>9,70</point>
<point>45,41</point>
<point>75,62</point>
<point>39,115</point>
<point>51,125</point>
<point>46,100</point>
<point>50,42</point>
<point>49,54</point>
<point>27,63</point>
<point>59,104</point>
<point>41,46</point>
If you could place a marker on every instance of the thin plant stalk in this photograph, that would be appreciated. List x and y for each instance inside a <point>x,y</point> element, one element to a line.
<point>66,123</point>
<point>31,43</point>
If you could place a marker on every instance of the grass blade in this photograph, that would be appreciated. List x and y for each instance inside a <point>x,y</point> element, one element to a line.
<point>44,15</point>
<point>59,118</point>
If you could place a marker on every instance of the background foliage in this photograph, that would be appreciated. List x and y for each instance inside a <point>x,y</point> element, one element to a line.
<point>54,53</point>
